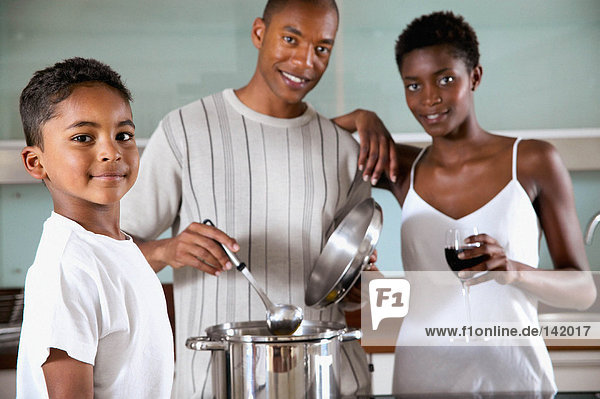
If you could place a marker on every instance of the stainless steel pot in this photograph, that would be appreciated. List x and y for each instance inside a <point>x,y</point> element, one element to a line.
<point>249,362</point>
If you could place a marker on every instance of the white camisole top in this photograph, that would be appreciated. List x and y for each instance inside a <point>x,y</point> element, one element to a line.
<point>441,367</point>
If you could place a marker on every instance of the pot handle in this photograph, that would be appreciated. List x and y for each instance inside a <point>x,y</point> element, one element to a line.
<point>205,344</point>
<point>350,335</point>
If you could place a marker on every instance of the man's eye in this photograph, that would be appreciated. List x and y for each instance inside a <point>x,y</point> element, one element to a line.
<point>446,79</point>
<point>322,50</point>
<point>82,138</point>
<point>124,136</point>
<point>288,39</point>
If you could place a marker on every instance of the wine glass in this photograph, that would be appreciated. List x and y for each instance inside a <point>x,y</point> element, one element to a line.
<point>455,244</point>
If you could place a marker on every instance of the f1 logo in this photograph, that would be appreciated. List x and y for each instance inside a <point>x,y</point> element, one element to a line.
<point>389,298</point>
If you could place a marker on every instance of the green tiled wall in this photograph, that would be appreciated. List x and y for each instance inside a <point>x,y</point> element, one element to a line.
<point>540,61</point>
<point>23,209</point>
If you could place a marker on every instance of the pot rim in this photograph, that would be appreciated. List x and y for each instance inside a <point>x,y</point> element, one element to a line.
<point>227,332</point>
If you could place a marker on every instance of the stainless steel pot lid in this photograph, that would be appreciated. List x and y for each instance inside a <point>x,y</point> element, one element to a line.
<point>257,331</point>
<point>345,255</point>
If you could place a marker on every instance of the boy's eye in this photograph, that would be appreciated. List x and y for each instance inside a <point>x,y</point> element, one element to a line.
<point>82,138</point>
<point>288,39</point>
<point>124,136</point>
<point>446,79</point>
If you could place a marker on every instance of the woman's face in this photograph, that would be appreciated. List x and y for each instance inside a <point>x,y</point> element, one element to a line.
<point>439,88</point>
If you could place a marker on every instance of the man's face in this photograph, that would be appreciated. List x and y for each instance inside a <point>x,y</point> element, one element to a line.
<point>294,49</point>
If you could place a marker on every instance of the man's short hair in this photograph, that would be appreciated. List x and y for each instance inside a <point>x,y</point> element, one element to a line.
<point>49,86</point>
<point>274,6</point>
<point>442,27</point>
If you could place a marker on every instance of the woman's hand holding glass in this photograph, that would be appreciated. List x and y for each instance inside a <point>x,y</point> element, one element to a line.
<point>460,244</point>
<point>493,258</point>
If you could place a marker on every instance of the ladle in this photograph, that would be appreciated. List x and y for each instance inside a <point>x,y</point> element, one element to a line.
<point>282,319</point>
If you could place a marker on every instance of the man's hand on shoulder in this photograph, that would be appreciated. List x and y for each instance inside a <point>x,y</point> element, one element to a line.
<point>377,148</point>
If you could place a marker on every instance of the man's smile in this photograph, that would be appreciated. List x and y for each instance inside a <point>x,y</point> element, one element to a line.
<point>294,79</point>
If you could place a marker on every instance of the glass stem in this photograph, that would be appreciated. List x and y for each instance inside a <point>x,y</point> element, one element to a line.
<point>467,296</point>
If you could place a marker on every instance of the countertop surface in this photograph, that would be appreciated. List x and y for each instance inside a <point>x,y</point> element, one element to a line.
<point>522,395</point>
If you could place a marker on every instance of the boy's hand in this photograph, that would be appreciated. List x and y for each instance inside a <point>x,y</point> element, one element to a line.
<point>377,147</point>
<point>195,246</point>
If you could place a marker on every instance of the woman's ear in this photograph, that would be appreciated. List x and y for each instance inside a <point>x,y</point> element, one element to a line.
<point>258,32</point>
<point>31,157</point>
<point>476,75</point>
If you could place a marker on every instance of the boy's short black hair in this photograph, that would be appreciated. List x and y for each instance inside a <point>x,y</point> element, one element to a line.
<point>442,27</point>
<point>49,86</point>
<point>274,6</point>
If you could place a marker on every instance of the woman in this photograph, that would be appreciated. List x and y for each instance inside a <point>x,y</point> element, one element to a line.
<point>511,190</point>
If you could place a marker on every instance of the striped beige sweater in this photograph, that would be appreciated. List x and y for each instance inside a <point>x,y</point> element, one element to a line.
<point>276,185</point>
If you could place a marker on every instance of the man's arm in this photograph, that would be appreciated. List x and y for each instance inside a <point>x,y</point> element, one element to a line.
<point>196,246</point>
<point>67,377</point>
<point>377,149</point>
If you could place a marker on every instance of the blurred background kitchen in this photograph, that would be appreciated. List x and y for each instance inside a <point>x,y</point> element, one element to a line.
<point>540,60</point>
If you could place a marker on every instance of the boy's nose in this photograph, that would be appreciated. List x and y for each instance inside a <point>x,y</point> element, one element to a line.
<point>109,151</point>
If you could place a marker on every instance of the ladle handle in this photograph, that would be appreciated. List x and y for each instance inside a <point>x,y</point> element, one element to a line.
<point>259,290</point>
<point>241,266</point>
<point>236,262</point>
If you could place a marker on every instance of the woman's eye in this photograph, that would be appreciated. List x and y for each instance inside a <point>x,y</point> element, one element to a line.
<point>446,79</point>
<point>82,138</point>
<point>412,87</point>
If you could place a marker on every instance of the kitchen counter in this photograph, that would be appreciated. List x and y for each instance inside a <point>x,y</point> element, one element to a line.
<point>522,395</point>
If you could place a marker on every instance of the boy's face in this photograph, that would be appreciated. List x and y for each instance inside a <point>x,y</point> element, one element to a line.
<point>294,49</point>
<point>439,88</point>
<point>90,156</point>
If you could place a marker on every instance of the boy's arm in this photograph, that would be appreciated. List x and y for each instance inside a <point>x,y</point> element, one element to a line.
<point>67,377</point>
<point>377,149</point>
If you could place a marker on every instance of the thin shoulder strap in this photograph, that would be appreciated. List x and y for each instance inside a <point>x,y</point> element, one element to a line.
<point>514,158</point>
<point>412,168</point>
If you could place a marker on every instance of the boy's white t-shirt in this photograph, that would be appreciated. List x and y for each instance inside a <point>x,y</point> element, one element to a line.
<point>97,299</point>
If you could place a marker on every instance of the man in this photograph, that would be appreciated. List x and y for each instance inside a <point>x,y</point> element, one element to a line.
<point>266,168</point>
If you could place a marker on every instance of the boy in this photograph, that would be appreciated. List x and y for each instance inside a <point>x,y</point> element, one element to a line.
<point>95,321</point>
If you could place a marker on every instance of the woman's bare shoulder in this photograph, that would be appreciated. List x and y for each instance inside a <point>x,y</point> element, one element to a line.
<point>540,167</point>
<point>536,154</point>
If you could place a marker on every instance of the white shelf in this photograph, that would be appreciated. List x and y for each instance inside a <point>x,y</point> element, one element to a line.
<point>579,148</point>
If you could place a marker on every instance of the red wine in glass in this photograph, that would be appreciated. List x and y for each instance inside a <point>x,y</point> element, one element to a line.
<point>455,244</point>
<point>457,264</point>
